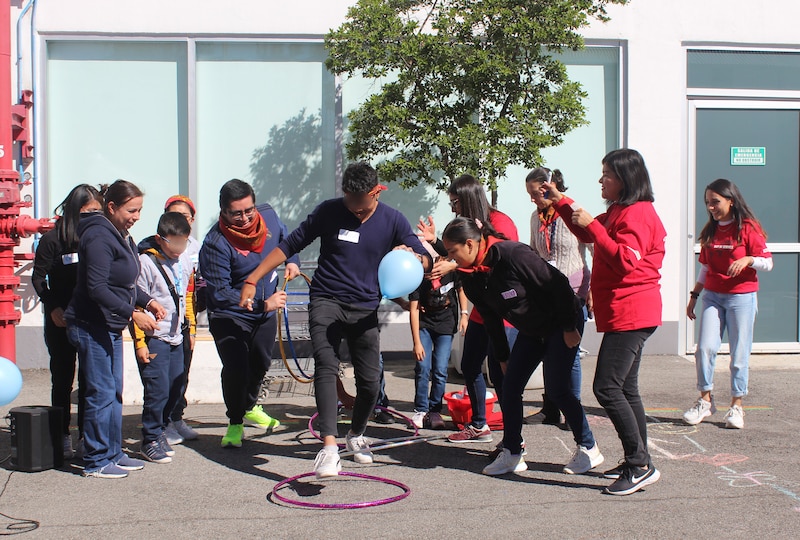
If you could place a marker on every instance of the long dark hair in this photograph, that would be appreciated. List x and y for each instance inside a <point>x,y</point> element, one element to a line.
<point>120,192</point>
<point>628,165</point>
<point>463,228</point>
<point>741,212</point>
<point>471,196</point>
<point>69,212</point>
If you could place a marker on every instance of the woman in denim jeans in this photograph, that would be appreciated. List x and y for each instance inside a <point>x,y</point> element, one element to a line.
<point>102,304</point>
<point>628,251</point>
<point>734,247</point>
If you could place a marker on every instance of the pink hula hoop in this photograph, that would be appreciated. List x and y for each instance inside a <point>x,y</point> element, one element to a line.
<point>364,504</point>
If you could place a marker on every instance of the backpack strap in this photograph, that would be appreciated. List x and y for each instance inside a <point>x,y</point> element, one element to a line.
<point>171,286</point>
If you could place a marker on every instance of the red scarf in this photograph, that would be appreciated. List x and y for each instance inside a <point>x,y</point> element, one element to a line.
<point>248,238</point>
<point>547,219</point>
<point>478,265</point>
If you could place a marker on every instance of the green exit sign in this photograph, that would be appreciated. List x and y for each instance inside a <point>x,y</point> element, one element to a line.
<point>748,155</point>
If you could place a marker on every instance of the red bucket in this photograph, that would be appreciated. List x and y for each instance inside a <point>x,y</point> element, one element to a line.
<point>461,411</point>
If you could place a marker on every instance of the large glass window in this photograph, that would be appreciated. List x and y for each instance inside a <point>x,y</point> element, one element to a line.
<point>117,110</point>
<point>743,70</point>
<point>265,114</point>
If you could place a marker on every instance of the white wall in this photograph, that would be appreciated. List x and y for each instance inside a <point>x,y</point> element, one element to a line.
<point>654,33</point>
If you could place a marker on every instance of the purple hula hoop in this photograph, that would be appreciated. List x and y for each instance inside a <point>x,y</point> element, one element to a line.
<point>386,409</point>
<point>364,504</point>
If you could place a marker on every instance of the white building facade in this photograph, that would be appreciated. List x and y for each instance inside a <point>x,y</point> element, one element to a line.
<point>180,96</point>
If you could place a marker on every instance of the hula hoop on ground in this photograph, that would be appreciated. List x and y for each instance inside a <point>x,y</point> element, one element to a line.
<point>303,377</point>
<point>379,407</point>
<point>364,504</point>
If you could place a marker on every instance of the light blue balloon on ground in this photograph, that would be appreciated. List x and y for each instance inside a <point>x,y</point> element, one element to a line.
<point>399,273</point>
<point>10,381</point>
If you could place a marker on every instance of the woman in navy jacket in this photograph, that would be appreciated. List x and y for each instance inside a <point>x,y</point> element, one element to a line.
<point>102,304</point>
<point>507,281</point>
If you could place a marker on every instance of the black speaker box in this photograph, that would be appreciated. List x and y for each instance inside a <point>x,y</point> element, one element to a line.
<point>36,438</point>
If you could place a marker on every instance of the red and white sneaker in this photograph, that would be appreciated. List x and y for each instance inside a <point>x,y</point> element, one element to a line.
<point>471,433</point>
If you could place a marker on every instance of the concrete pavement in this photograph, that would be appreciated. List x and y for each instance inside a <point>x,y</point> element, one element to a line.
<point>716,483</point>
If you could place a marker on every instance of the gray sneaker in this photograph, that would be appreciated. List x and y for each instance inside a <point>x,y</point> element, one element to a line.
<point>184,430</point>
<point>172,434</point>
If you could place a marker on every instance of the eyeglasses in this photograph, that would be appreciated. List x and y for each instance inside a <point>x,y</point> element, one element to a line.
<point>239,214</point>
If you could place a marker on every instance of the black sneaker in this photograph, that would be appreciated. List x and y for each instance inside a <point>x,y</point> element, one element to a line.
<point>616,472</point>
<point>383,417</point>
<point>632,480</point>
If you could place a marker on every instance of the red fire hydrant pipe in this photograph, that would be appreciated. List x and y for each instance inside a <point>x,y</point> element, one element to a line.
<point>13,226</point>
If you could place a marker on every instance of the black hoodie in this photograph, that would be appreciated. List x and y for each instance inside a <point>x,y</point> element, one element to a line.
<point>523,289</point>
<point>106,292</point>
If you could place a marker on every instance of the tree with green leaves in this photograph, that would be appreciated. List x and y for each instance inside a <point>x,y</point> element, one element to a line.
<point>475,86</point>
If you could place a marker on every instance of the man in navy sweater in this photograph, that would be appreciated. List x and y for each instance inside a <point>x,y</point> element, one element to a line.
<point>355,232</point>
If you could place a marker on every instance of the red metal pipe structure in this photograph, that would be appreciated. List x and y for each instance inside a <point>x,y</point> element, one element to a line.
<point>13,226</point>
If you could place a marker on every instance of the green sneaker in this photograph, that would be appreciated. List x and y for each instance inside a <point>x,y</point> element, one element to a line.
<point>233,437</point>
<point>256,416</point>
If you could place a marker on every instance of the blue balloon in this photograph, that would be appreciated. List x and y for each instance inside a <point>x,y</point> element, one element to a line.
<point>399,273</point>
<point>10,381</point>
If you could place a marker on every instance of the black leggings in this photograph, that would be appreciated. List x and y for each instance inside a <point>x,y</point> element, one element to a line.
<point>329,322</point>
<point>616,387</point>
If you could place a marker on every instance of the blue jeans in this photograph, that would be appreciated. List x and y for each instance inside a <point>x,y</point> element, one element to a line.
<point>737,313</point>
<point>433,369</point>
<point>476,348</point>
<point>162,379</point>
<point>100,359</point>
<point>558,359</point>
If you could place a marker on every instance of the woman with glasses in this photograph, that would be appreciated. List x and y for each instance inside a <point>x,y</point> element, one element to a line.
<point>355,233</point>
<point>232,249</point>
<point>468,199</point>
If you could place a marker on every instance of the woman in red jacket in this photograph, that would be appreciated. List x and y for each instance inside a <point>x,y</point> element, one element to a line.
<point>628,250</point>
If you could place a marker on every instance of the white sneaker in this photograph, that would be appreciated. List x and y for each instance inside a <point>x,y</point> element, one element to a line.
<point>418,419</point>
<point>360,445</point>
<point>700,410</point>
<point>69,453</point>
<point>734,418</point>
<point>327,464</point>
<point>506,462</point>
<point>584,459</point>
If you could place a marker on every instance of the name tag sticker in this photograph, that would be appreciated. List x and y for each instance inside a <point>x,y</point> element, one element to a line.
<point>349,236</point>
<point>69,258</point>
<point>509,294</point>
<point>444,289</point>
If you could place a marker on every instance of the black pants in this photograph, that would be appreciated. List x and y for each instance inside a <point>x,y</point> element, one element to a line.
<point>63,358</point>
<point>616,387</point>
<point>180,406</point>
<point>246,353</point>
<point>329,322</point>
